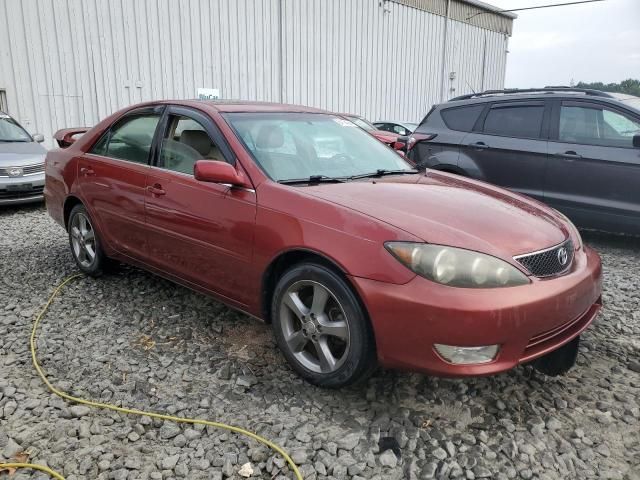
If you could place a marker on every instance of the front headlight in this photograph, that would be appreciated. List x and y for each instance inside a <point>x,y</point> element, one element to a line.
<point>456,267</point>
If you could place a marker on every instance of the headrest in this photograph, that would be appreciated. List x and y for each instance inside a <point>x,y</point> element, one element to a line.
<point>270,136</point>
<point>196,139</point>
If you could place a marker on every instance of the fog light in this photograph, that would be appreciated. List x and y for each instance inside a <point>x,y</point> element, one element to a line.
<point>467,355</point>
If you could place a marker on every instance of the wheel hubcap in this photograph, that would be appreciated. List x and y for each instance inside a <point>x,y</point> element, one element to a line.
<point>83,240</point>
<point>315,326</point>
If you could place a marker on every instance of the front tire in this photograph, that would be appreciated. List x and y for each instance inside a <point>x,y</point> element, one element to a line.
<point>85,244</point>
<point>321,328</point>
<point>559,361</point>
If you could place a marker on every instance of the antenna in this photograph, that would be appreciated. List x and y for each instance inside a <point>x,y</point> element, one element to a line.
<point>468,85</point>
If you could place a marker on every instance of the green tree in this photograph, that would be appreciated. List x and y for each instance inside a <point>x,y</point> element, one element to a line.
<point>629,86</point>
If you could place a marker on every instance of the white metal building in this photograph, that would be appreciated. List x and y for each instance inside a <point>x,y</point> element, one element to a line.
<point>72,62</point>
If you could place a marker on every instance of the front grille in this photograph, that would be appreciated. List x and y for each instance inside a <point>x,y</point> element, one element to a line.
<point>547,263</point>
<point>14,194</point>
<point>26,170</point>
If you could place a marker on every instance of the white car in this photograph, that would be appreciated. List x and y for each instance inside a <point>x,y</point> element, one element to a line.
<point>400,128</point>
<point>21,163</point>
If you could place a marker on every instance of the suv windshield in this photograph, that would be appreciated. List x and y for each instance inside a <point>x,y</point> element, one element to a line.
<point>303,145</point>
<point>10,131</point>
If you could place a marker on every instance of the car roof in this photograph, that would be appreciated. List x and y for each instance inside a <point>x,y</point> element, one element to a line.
<point>399,122</point>
<point>530,96</point>
<point>250,106</point>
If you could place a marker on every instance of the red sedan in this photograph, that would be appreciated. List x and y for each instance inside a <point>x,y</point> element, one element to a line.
<point>298,218</point>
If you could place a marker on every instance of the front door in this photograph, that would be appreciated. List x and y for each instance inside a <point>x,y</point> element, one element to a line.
<point>510,147</point>
<point>112,177</point>
<point>200,232</point>
<point>593,175</point>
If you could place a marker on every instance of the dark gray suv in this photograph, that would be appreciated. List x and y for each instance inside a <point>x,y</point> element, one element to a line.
<point>577,150</point>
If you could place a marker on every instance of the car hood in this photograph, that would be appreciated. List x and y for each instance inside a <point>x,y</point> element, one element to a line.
<point>450,210</point>
<point>18,154</point>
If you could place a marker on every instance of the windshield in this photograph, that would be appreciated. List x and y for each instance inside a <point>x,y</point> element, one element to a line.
<point>10,131</point>
<point>634,102</point>
<point>362,123</point>
<point>301,145</point>
<point>411,126</point>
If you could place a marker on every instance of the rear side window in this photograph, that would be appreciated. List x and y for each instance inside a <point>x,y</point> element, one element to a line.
<point>514,121</point>
<point>461,118</point>
<point>130,139</point>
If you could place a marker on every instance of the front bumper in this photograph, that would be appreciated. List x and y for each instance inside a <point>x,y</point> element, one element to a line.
<point>526,321</point>
<point>18,190</point>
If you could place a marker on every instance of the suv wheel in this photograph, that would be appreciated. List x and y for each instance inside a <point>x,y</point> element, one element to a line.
<point>321,328</point>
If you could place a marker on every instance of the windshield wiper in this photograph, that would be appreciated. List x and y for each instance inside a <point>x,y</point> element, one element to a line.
<point>312,179</point>
<point>381,172</point>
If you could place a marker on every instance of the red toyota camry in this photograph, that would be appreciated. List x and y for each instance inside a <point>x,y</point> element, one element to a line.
<point>299,218</point>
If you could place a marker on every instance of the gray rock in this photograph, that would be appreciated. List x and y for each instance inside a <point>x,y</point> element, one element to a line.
<point>349,441</point>
<point>169,462</point>
<point>78,411</point>
<point>169,430</point>
<point>388,459</point>
<point>11,449</point>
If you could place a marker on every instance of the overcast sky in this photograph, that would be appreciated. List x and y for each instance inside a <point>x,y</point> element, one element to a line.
<point>591,42</point>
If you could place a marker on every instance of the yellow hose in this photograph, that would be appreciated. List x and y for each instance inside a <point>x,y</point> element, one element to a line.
<point>132,411</point>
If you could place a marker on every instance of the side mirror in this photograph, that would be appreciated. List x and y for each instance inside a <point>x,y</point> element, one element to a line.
<point>38,137</point>
<point>636,140</point>
<point>400,144</point>
<point>214,171</point>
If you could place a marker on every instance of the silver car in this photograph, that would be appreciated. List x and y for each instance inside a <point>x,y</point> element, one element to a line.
<point>21,163</point>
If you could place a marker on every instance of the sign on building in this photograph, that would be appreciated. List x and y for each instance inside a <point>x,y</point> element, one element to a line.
<point>208,93</point>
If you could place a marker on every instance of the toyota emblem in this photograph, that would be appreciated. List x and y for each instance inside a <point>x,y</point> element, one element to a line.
<point>563,256</point>
<point>15,171</point>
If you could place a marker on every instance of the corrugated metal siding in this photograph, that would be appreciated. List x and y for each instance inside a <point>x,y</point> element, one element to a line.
<point>72,62</point>
<point>465,12</point>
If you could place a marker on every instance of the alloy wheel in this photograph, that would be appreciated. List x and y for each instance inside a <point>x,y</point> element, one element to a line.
<point>83,240</point>
<point>315,326</point>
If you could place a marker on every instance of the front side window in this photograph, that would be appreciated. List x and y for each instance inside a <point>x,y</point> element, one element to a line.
<point>596,126</point>
<point>185,142</point>
<point>130,139</point>
<point>10,131</point>
<point>514,121</point>
<point>300,145</point>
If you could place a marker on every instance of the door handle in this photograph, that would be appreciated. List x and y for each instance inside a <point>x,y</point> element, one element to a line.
<point>479,146</point>
<point>156,189</point>
<point>86,171</point>
<point>570,154</point>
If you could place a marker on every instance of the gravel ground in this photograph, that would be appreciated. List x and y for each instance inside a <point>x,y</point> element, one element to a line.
<point>133,339</point>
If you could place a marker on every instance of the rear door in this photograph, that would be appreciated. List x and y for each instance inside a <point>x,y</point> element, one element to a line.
<point>199,232</point>
<point>436,142</point>
<point>112,177</point>
<point>593,174</point>
<point>508,146</point>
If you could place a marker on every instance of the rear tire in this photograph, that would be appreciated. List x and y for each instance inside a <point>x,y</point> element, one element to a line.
<point>559,361</point>
<point>321,328</point>
<point>85,243</point>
